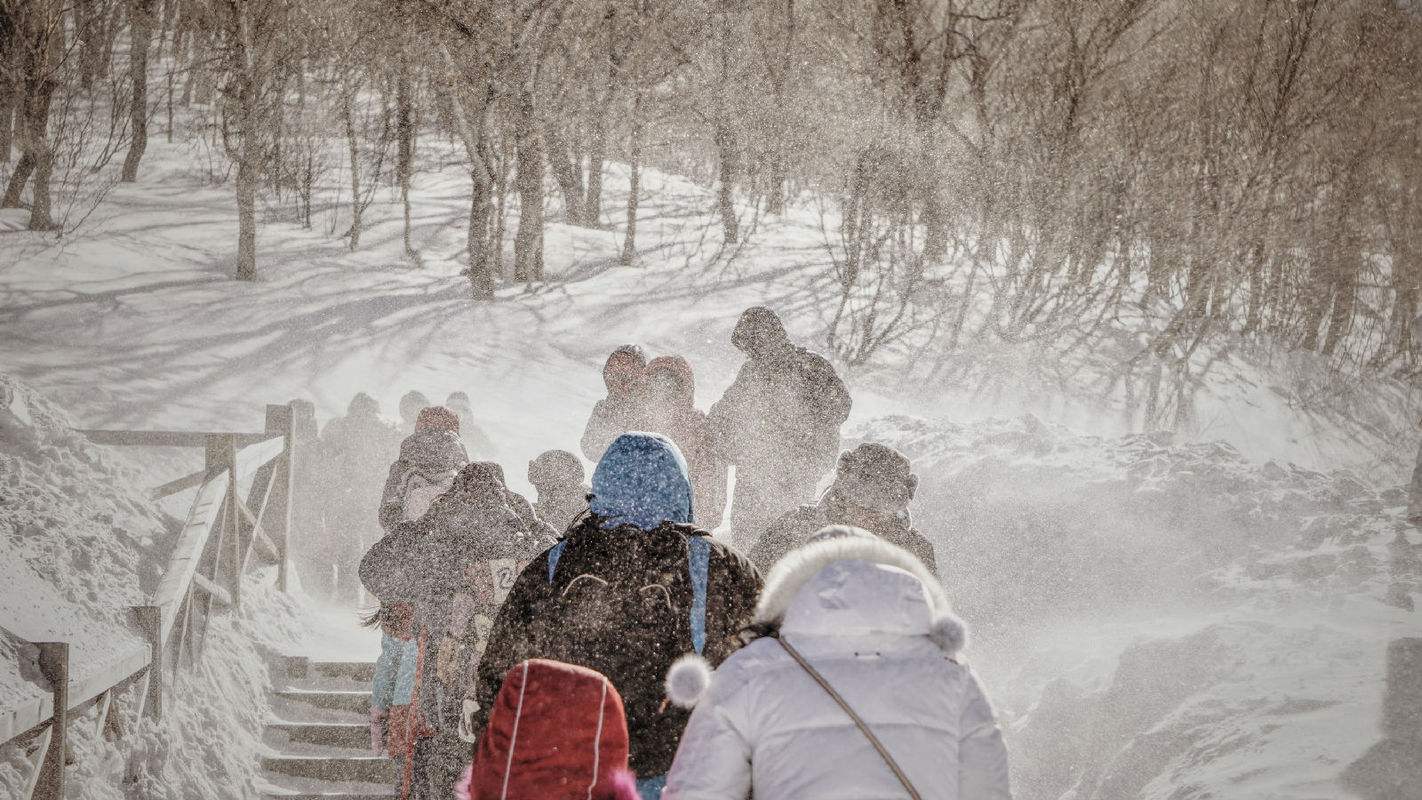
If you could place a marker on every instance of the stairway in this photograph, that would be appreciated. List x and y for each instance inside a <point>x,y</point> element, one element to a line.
<point>320,737</point>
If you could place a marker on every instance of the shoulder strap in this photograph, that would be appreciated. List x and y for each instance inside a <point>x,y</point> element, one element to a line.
<point>553,555</point>
<point>699,565</point>
<point>858,721</point>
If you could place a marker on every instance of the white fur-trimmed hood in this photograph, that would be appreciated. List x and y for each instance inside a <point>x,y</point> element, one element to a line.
<point>690,677</point>
<point>803,564</point>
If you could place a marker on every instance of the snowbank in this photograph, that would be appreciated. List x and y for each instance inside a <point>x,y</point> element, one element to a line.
<point>1162,620</point>
<point>80,542</point>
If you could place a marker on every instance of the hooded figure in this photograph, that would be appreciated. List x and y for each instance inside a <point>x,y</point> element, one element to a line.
<point>778,423</point>
<point>558,477</point>
<point>672,411</point>
<point>411,404</point>
<point>311,551</point>
<point>454,565</point>
<point>625,407</point>
<point>876,626</point>
<point>629,589</point>
<point>557,732</point>
<point>429,459</point>
<point>478,443</point>
<point>873,486</point>
<point>354,453</point>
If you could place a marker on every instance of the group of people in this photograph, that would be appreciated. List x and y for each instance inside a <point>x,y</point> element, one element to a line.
<point>339,468</point>
<point>601,643</point>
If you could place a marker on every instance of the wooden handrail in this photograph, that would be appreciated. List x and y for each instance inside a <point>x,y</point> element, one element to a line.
<point>231,457</point>
<point>84,688</point>
<point>118,438</point>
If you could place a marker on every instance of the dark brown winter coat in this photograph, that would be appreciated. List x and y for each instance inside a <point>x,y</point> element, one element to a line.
<point>578,613</point>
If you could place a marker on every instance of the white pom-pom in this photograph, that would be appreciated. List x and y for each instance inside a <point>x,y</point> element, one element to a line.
<point>687,680</point>
<point>950,634</point>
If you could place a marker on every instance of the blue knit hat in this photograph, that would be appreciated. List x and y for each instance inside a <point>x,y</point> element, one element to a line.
<point>642,480</point>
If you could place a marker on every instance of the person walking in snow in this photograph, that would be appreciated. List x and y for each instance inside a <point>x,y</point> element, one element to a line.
<point>627,591</point>
<point>625,407</point>
<point>392,691</point>
<point>429,459</point>
<point>455,565</point>
<point>307,535</point>
<point>355,450</point>
<point>411,404</point>
<point>873,486</point>
<point>672,411</point>
<point>558,477</point>
<point>855,689</point>
<point>778,423</point>
<point>476,441</point>
<point>556,732</point>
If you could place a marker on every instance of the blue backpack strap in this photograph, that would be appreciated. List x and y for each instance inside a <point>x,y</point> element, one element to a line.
<point>553,555</point>
<point>700,567</point>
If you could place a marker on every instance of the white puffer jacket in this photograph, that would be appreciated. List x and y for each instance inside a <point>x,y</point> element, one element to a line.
<point>872,620</point>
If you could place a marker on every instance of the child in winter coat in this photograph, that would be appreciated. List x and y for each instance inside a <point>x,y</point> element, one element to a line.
<point>557,732</point>
<point>392,720</point>
<point>848,620</point>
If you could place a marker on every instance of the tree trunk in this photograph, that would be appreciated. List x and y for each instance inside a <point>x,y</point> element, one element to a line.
<point>8,95</point>
<point>725,140</point>
<point>40,218</point>
<point>15,189</point>
<point>405,149</point>
<point>140,15</point>
<point>634,186</point>
<point>528,241</point>
<point>41,79</point>
<point>597,154</point>
<point>247,215</point>
<point>353,151</point>
<point>725,197</point>
<point>570,181</point>
<point>481,207</point>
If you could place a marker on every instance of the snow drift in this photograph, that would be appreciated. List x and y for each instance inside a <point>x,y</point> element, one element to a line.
<point>1160,620</point>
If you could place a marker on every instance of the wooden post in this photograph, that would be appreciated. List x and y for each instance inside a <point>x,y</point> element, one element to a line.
<point>149,620</point>
<point>234,518</point>
<point>281,420</point>
<point>221,454</point>
<point>54,665</point>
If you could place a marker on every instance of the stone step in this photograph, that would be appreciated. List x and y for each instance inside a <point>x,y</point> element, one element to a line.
<point>304,668</point>
<point>349,700</point>
<point>327,734</point>
<point>353,769</point>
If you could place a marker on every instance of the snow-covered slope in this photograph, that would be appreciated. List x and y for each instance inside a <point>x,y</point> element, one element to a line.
<point>80,542</point>
<point>1165,621</point>
<point>1156,618</point>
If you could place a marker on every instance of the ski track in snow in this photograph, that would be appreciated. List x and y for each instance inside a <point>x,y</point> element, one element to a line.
<point>1155,618</point>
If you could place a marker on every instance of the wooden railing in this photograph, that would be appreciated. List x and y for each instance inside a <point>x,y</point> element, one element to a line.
<point>220,538</point>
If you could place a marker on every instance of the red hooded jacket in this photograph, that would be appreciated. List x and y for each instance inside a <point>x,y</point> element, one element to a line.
<point>556,732</point>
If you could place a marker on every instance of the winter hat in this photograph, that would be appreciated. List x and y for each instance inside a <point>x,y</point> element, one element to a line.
<point>556,731</point>
<point>642,480</point>
<point>875,477</point>
<point>679,369</point>
<point>411,404</point>
<point>556,466</point>
<point>759,330</point>
<point>626,366</point>
<point>437,418</point>
<point>362,405</point>
<point>480,480</point>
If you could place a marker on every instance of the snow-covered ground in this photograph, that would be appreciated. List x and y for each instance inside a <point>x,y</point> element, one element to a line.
<point>1156,618</point>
